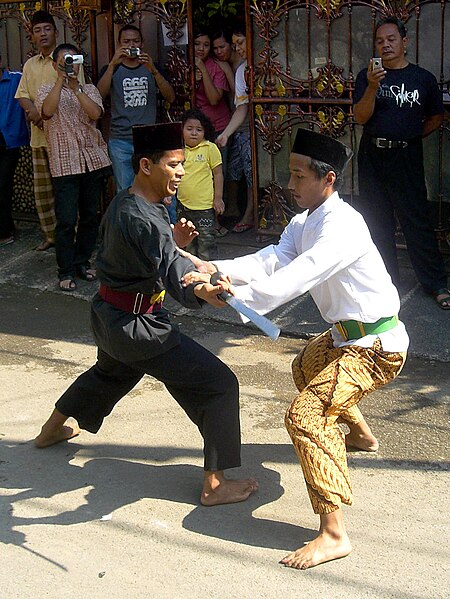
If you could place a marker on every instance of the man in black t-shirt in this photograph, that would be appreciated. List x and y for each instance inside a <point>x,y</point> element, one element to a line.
<point>399,103</point>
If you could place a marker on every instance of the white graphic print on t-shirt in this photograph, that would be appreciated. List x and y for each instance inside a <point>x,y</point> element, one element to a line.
<point>401,95</point>
<point>135,91</point>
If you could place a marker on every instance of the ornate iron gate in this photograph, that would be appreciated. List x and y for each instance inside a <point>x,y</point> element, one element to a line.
<point>304,58</point>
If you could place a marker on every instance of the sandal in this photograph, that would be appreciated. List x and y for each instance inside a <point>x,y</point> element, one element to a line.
<point>71,286</point>
<point>86,273</point>
<point>444,302</point>
<point>221,231</point>
<point>242,227</point>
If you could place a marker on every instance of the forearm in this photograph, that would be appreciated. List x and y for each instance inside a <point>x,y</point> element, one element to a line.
<point>212,93</point>
<point>104,84</point>
<point>51,102</point>
<point>218,183</point>
<point>164,87</point>
<point>363,110</point>
<point>238,118</point>
<point>431,124</point>
<point>91,108</point>
<point>26,104</point>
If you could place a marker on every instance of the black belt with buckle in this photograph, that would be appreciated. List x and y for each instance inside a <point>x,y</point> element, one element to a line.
<point>382,142</point>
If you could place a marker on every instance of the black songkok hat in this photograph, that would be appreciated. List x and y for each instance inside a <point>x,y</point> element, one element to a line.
<point>148,139</point>
<point>323,148</point>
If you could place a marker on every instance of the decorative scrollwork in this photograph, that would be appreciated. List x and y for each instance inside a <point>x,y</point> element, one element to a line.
<point>332,120</point>
<point>330,82</point>
<point>77,19</point>
<point>275,211</point>
<point>401,9</point>
<point>329,9</point>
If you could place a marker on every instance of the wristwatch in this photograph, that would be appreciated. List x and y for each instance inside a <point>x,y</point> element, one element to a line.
<point>79,91</point>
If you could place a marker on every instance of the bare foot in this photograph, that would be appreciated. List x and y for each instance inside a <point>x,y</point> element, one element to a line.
<point>361,441</point>
<point>227,491</point>
<point>51,435</point>
<point>324,548</point>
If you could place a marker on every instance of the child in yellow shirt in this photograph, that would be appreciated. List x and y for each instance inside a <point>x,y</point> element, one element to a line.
<point>200,191</point>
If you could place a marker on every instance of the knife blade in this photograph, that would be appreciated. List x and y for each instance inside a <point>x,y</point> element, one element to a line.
<point>263,323</point>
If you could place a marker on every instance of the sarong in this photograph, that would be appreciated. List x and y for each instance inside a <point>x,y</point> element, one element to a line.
<point>331,382</point>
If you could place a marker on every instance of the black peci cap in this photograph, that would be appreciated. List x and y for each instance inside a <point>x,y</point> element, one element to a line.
<point>148,139</point>
<point>323,148</point>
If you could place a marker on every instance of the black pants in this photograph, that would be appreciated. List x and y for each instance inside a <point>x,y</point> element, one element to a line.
<point>8,163</point>
<point>392,184</point>
<point>76,204</point>
<point>205,245</point>
<point>203,386</point>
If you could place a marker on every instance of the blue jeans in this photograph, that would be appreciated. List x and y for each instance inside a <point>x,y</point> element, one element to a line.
<point>120,152</point>
<point>76,204</point>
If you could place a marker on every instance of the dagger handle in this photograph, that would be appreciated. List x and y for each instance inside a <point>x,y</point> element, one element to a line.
<point>225,295</point>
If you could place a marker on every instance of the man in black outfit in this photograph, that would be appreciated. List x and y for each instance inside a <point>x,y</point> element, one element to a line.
<point>399,103</point>
<point>137,262</point>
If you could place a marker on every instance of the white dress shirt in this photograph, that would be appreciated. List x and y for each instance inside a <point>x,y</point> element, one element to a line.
<point>330,254</point>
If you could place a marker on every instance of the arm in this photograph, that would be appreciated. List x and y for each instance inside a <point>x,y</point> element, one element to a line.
<point>104,84</point>
<point>213,94</point>
<point>164,86</point>
<point>432,123</point>
<point>239,116</point>
<point>226,68</point>
<point>363,110</point>
<point>31,112</point>
<point>51,102</point>
<point>219,206</point>
<point>90,107</point>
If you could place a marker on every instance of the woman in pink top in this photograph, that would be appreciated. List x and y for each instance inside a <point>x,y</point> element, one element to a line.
<point>211,84</point>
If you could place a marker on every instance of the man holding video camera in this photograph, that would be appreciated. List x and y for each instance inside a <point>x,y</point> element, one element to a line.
<point>78,161</point>
<point>132,79</point>
<point>399,103</point>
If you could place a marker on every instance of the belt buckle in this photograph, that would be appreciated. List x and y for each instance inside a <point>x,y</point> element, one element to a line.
<point>138,303</point>
<point>382,142</point>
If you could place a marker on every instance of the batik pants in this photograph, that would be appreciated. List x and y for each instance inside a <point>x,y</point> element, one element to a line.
<point>331,382</point>
<point>43,193</point>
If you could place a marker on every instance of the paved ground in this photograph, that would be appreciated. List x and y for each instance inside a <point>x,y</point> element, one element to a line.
<point>117,514</point>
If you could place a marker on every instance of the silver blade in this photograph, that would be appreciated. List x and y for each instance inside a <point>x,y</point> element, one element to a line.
<point>261,322</point>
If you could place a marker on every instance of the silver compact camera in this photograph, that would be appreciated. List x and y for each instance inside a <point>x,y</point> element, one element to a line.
<point>133,52</point>
<point>70,60</point>
<point>376,63</point>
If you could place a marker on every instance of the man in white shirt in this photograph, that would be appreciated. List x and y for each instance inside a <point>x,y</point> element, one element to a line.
<point>327,250</point>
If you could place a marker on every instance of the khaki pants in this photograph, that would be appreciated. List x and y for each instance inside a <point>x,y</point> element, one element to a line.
<point>331,382</point>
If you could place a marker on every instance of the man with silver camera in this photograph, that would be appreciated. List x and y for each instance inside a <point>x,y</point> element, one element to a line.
<point>78,161</point>
<point>399,103</point>
<point>132,80</point>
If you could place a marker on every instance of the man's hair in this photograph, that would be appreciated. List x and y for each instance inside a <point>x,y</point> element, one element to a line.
<point>129,28</point>
<point>392,21</point>
<point>205,122</point>
<point>42,16</point>
<point>321,169</point>
<point>57,51</point>
<point>155,157</point>
<point>225,33</point>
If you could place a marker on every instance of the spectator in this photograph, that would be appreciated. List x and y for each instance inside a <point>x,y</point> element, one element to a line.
<point>132,79</point>
<point>399,103</point>
<point>226,56</point>
<point>37,71</point>
<point>211,84</point>
<point>13,134</point>
<point>240,160</point>
<point>78,164</point>
<point>200,190</point>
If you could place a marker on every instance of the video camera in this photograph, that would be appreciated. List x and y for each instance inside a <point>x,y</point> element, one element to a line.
<point>70,60</point>
<point>133,52</point>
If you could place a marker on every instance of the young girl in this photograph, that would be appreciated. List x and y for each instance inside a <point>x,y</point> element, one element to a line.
<point>200,190</point>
